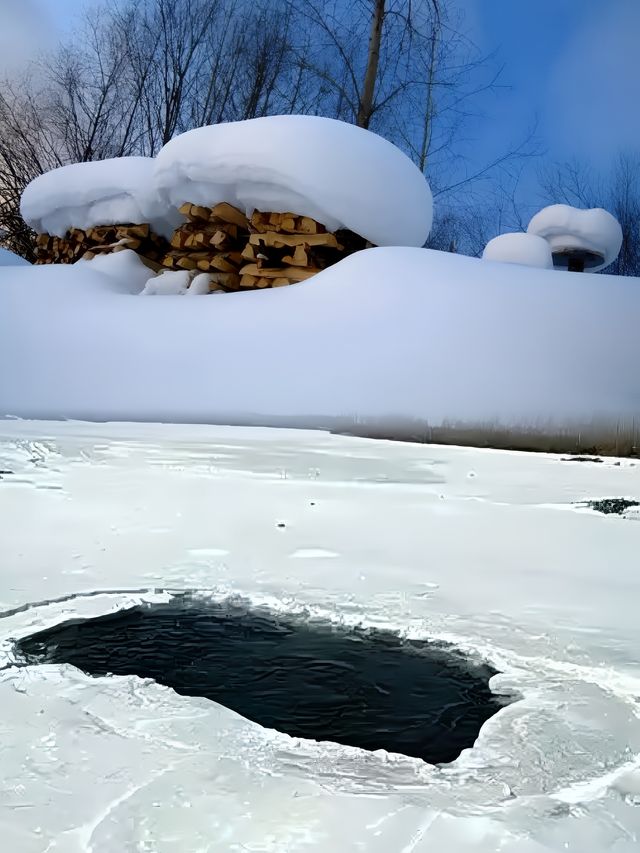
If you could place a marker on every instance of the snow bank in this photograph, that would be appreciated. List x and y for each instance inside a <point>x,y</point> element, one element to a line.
<point>102,192</point>
<point>566,227</point>
<point>390,331</point>
<point>336,173</point>
<point>10,259</point>
<point>526,249</point>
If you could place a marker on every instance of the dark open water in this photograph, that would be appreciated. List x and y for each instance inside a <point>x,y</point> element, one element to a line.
<point>369,689</point>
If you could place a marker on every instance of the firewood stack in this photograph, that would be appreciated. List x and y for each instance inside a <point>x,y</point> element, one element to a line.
<point>101,240</point>
<point>264,250</point>
<point>236,251</point>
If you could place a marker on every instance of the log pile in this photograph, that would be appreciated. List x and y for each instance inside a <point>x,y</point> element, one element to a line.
<point>263,250</point>
<point>236,251</point>
<point>101,240</point>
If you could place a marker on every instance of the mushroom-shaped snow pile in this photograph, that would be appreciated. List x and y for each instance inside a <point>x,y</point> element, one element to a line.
<point>519,248</point>
<point>95,207</point>
<point>273,201</point>
<point>337,174</point>
<point>579,239</point>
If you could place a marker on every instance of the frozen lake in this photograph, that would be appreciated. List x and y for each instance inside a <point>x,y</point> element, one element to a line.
<point>497,553</point>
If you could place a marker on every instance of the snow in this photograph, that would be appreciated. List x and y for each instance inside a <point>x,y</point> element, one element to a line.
<point>97,517</point>
<point>388,331</point>
<point>566,227</point>
<point>339,174</point>
<point>101,192</point>
<point>517,248</point>
<point>168,283</point>
<point>10,259</point>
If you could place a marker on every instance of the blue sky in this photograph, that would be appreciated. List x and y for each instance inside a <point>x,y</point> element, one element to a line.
<point>573,64</point>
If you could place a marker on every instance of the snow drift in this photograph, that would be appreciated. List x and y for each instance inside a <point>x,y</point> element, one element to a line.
<point>336,173</point>
<point>527,249</point>
<point>388,331</point>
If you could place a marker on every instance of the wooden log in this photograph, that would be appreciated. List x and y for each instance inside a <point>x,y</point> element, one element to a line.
<point>247,280</point>
<point>195,212</point>
<point>140,232</point>
<point>218,238</point>
<point>293,273</point>
<point>306,225</point>
<point>278,241</point>
<point>248,253</point>
<point>224,262</point>
<point>263,282</point>
<point>227,280</point>
<point>229,213</point>
<point>186,263</point>
<point>280,282</point>
<point>298,259</point>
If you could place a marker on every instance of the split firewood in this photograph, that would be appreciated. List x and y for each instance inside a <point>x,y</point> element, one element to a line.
<point>280,282</point>
<point>298,259</point>
<point>186,263</point>
<point>227,280</point>
<point>229,213</point>
<point>294,273</point>
<point>278,241</point>
<point>195,211</point>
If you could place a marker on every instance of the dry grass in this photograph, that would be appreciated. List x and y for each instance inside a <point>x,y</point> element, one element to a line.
<point>601,437</point>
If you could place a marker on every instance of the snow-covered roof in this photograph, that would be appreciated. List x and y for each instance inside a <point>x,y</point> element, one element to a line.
<point>83,195</point>
<point>569,228</point>
<point>336,173</point>
<point>519,248</point>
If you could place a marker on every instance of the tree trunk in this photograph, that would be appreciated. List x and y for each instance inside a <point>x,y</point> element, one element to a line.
<point>365,108</point>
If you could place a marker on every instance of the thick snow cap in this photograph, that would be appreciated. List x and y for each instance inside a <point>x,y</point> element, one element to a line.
<point>102,192</point>
<point>339,174</point>
<point>518,248</point>
<point>567,229</point>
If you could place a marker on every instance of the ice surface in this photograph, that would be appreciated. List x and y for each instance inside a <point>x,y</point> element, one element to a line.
<point>517,248</point>
<point>96,517</point>
<point>566,227</point>
<point>10,259</point>
<point>339,174</point>
<point>389,331</point>
<point>101,192</point>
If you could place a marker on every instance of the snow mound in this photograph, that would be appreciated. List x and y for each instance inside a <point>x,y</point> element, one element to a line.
<point>339,174</point>
<point>568,228</point>
<point>10,259</point>
<point>101,192</point>
<point>168,283</point>
<point>517,248</point>
<point>384,332</point>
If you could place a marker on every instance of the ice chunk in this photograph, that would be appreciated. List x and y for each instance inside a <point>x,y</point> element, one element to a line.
<point>102,192</point>
<point>595,233</point>
<point>9,259</point>
<point>518,248</point>
<point>339,174</point>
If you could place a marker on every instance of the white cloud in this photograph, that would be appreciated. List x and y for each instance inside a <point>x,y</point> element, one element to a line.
<point>595,85</point>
